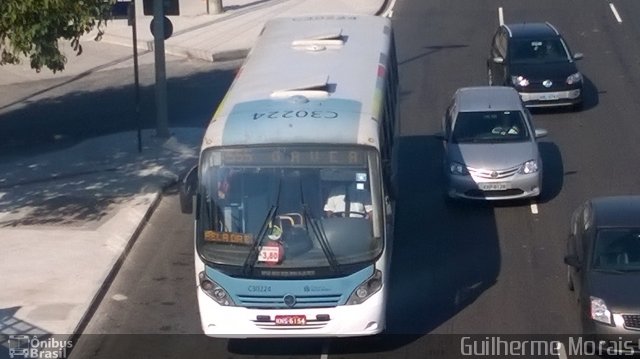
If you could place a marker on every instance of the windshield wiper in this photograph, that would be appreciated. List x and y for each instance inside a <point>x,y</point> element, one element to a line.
<point>319,233</point>
<point>254,251</point>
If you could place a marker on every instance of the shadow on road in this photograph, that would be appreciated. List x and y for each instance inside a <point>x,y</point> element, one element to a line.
<point>445,254</point>
<point>66,116</point>
<point>553,171</point>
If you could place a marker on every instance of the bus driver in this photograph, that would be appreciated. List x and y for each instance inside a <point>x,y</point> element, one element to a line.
<point>351,200</point>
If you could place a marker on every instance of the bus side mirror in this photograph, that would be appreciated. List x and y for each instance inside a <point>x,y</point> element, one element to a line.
<point>188,185</point>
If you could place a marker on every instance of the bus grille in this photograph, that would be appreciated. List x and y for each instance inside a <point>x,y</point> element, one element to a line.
<point>310,324</point>
<point>277,301</point>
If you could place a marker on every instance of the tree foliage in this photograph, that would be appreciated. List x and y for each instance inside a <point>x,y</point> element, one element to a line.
<point>32,28</point>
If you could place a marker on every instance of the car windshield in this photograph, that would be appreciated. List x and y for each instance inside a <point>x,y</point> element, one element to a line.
<point>538,50</point>
<point>289,208</point>
<point>490,126</point>
<point>617,249</point>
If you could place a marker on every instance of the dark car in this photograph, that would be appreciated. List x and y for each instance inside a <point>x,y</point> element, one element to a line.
<point>536,60</point>
<point>603,268</point>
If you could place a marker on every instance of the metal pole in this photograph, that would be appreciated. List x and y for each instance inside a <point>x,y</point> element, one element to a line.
<point>217,6</point>
<point>162,122</point>
<point>136,79</point>
<point>207,1</point>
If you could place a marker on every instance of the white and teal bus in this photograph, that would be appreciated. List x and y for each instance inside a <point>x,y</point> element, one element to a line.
<point>293,204</point>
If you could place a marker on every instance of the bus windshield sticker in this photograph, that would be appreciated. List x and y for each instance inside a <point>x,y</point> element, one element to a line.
<point>228,237</point>
<point>360,186</point>
<point>274,232</point>
<point>361,177</point>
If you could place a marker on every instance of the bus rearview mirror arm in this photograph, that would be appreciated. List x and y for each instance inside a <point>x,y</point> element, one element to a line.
<point>188,184</point>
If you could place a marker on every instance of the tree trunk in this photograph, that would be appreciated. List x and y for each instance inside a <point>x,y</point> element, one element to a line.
<point>216,6</point>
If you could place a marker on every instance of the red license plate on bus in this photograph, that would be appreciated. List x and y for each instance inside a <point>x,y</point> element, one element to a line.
<point>291,320</point>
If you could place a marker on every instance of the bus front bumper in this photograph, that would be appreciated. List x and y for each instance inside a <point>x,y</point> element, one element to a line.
<point>364,319</point>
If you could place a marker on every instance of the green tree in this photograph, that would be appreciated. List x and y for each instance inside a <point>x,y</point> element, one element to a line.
<point>31,29</point>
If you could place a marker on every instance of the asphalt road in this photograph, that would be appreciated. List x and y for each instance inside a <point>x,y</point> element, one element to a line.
<point>443,45</point>
<point>485,269</point>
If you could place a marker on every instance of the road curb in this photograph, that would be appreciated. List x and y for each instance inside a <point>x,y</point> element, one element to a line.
<point>113,272</point>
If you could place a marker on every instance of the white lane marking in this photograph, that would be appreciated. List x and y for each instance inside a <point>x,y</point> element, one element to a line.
<point>615,12</point>
<point>325,350</point>
<point>562,352</point>
<point>500,16</point>
<point>534,208</point>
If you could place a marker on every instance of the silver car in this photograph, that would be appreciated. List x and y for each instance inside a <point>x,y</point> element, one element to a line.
<point>490,146</point>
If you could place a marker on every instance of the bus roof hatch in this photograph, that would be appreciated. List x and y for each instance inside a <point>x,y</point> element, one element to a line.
<point>316,87</point>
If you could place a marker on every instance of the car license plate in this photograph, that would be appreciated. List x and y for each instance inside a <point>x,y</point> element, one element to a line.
<point>291,320</point>
<point>548,97</point>
<point>494,186</point>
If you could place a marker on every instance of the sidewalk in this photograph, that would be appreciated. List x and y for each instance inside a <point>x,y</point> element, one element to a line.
<point>66,217</point>
<point>229,35</point>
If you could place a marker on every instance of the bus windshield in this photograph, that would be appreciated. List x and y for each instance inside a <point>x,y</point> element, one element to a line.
<point>289,207</point>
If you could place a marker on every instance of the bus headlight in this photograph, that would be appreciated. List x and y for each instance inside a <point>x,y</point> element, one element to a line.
<point>215,291</point>
<point>365,290</point>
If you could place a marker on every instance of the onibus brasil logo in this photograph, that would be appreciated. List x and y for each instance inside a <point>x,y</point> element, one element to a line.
<point>24,346</point>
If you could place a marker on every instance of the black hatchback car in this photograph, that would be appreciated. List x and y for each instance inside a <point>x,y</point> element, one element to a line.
<point>536,60</point>
<point>603,263</point>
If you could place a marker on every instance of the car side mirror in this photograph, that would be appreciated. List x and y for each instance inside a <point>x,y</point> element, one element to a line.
<point>572,261</point>
<point>498,60</point>
<point>541,132</point>
<point>578,56</point>
<point>188,185</point>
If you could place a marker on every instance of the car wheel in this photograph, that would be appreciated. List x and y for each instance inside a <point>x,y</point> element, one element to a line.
<point>490,77</point>
<point>569,280</point>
